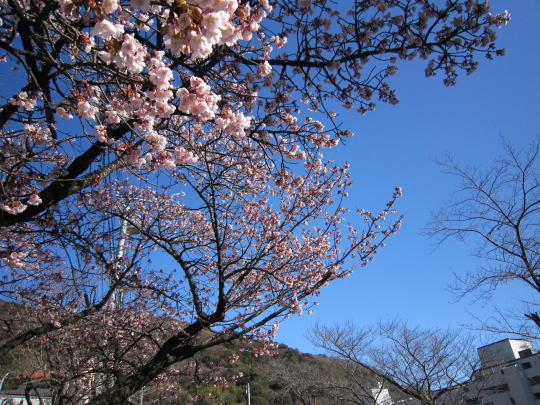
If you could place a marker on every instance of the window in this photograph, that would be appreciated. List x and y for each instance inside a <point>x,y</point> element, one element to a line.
<point>537,395</point>
<point>498,388</point>
<point>525,353</point>
<point>535,380</point>
<point>526,365</point>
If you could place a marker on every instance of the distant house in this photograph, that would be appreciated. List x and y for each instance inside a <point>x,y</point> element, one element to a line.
<point>381,395</point>
<point>509,374</point>
<point>39,396</point>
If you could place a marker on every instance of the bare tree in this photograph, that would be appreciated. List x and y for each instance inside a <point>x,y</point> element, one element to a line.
<point>497,209</point>
<point>301,380</point>
<point>426,365</point>
<point>361,387</point>
<point>326,380</point>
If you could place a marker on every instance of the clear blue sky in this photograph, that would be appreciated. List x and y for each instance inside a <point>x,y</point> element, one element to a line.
<point>398,145</point>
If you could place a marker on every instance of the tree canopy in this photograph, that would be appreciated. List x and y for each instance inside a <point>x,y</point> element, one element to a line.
<point>164,188</point>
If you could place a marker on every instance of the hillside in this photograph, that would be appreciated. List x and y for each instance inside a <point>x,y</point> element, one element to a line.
<point>218,375</point>
<point>289,377</point>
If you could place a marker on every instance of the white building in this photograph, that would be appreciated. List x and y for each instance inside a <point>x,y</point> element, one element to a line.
<point>509,374</point>
<point>381,395</point>
<point>504,351</point>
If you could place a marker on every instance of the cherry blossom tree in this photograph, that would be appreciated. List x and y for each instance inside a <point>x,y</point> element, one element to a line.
<point>163,183</point>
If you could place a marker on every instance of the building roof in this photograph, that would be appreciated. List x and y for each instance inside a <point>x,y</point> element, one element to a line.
<point>503,340</point>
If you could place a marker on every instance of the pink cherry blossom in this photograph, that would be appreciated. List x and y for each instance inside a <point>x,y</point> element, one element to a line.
<point>183,156</point>
<point>130,57</point>
<point>160,75</point>
<point>24,100</point>
<point>13,207</point>
<point>109,6</point>
<point>62,112</point>
<point>200,101</point>
<point>264,69</point>
<point>86,110</point>
<point>34,200</point>
<point>107,30</point>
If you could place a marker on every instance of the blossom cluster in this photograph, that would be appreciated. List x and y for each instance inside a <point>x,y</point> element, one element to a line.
<point>194,29</point>
<point>24,100</point>
<point>233,123</point>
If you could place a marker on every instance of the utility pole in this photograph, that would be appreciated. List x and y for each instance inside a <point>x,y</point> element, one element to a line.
<point>118,295</point>
<point>248,394</point>
<point>2,380</point>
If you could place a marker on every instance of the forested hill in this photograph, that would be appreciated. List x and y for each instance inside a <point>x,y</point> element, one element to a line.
<point>219,375</point>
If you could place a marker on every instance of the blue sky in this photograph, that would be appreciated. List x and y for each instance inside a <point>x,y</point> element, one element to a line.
<point>398,145</point>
